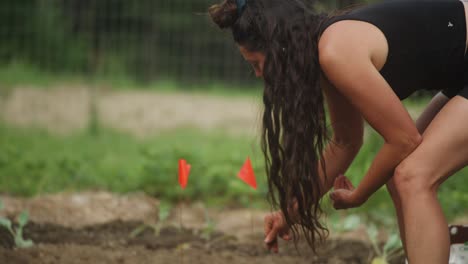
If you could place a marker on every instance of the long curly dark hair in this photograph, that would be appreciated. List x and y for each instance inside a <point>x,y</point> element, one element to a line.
<point>294,121</point>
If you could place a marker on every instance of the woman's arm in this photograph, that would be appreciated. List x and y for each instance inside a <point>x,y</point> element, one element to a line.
<point>347,139</point>
<point>349,67</point>
<point>347,124</point>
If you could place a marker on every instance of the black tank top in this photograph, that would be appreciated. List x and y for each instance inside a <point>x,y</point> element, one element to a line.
<point>426,41</point>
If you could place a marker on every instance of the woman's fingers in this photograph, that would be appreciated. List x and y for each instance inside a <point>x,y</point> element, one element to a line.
<point>272,245</point>
<point>339,183</point>
<point>336,196</point>
<point>342,198</point>
<point>342,182</point>
<point>267,224</point>
<point>337,204</point>
<point>336,183</point>
<point>274,227</point>
<point>271,241</point>
<point>270,237</point>
<point>275,248</point>
<point>286,235</point>
<point>271,231</point>
<point>349,184</point>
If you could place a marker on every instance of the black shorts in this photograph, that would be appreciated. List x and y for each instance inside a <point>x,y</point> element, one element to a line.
<point>462,91</point>
<point>450,93</point>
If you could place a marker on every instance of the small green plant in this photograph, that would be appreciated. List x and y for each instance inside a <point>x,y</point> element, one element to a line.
<point>209,227</point>
<point>17,231</point>
<point>349,223</point>
<point>392,248</point>
<point>164,210</point>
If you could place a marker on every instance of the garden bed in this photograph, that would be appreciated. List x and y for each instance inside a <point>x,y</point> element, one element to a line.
<point>112,243</point>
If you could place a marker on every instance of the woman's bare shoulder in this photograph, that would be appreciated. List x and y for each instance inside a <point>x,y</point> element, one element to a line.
<point>353,39</point>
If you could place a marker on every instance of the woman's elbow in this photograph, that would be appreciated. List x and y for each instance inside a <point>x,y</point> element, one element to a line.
<point>352,145</point>
<point>356,146</point>
<point>414,141</point>
<point>409,143</point>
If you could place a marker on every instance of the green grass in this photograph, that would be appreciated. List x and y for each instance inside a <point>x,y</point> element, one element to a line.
<point>34,162</point>
<point>17,74</point>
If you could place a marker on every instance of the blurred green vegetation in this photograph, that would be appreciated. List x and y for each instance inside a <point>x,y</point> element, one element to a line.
<point>34,162</point>
<point>142,40</point>
<point>139,41</point>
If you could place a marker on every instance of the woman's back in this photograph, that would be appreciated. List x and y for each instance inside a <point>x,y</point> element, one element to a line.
<point>426,42</point>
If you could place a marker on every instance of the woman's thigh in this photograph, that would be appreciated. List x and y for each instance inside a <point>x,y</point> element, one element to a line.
<point>444,149</point>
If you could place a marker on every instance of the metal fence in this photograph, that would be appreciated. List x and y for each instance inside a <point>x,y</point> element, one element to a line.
<point>143,40</point>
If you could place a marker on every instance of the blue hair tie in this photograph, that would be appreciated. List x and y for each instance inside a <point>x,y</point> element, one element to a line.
<point>240,6</point>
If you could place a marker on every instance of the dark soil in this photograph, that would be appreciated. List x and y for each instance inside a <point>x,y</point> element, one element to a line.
<point>112,243</point>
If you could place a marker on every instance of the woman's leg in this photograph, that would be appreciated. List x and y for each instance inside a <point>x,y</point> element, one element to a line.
<point>398,209</point>
<point>422,123</point>
<point>443,151</point>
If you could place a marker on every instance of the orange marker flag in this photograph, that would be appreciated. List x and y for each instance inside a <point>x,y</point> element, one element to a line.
<point>184,171</point>
<point>247,174</point>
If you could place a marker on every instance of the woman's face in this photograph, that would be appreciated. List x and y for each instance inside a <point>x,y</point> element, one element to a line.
<point>256,59</point>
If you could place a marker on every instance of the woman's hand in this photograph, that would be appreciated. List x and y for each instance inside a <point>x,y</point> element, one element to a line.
<point>275,225</point>
<point>344,195</point>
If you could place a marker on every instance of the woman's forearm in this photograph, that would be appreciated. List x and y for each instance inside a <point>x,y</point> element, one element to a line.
<point>338,157</point>
<point>380,171</point>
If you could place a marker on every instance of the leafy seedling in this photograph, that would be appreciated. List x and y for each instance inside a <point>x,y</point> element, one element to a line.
<point>349,223</point>
<point>209,227</point>
<point>164,210</point>
<point>17,231</point>
<point>392,248</point>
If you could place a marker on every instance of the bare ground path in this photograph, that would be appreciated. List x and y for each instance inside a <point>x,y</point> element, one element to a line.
<point>142,113</point>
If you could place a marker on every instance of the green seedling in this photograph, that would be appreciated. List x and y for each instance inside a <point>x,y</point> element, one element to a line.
<point>392,248</point>
<point>164,210</point>
<point>349,223</point>
<point>17,231</point>
<point>208,228</point>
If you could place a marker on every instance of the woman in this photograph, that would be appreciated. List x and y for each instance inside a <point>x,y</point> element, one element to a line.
<point>362,63</point>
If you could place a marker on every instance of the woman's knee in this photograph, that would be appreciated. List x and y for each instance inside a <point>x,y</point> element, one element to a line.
<point>392,190</point>
<point>412,178</point>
